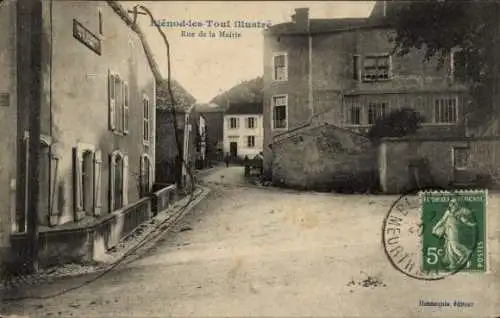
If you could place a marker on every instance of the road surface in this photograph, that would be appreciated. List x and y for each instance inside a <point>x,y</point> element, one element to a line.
<point>268,252</point>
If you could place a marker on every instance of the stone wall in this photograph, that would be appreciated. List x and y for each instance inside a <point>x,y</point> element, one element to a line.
<point>398,160</point>
<point>324,158</point>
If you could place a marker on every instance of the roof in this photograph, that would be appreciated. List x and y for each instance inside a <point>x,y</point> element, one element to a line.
<point>318,26</point>
<point>183,99</point>
<point>209,108</point>
<point>244,108</point>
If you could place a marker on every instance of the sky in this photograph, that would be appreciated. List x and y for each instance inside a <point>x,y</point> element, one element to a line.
<point>208,66</point>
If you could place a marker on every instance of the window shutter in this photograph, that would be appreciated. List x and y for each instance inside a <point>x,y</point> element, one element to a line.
<point>78,182</point>
<point>141,169</point>
<point>112,101</point>
<point>125,180</point>
<point>125,108</point>
<point>112,172</point>
<point>97,182</point>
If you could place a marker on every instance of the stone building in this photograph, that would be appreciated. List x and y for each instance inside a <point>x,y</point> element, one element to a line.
<point>340,72</point>
<point>97,118</point>
<point>188,143</point>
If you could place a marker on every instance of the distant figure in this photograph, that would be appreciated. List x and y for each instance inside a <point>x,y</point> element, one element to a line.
<point>226,160</point>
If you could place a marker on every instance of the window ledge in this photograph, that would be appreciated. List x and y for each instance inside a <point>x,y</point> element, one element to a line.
<point>440,124</point>
<point>376,81</point>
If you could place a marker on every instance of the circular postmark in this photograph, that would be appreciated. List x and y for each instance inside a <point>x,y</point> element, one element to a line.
<point>412,222</point>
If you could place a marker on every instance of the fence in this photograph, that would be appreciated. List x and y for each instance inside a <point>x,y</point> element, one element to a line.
<point>163,198</point>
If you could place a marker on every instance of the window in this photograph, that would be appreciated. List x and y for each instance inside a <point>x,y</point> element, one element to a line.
<point>145,176</point>
<point>461,158</point>
<point>376,110</point>
<point>445,111</point>
<point>376,67</point>
<point>250,122</point>
<point>280,67</point>
<point>88,181</point>
<point>118,95</point>
<point>355,68</point>
<point>250,141</point>
<point>234,122</point>
<point>119,181</point>
<point>355,115</point>
<point>279,109</point>
<point>145,119</point>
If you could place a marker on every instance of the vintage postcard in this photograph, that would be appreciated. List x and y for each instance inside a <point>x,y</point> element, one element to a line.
<point>250,158</point>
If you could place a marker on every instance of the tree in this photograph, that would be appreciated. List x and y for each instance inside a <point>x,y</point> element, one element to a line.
<point>440,26</point>
<point>246,92</point>
<point>398,123</point>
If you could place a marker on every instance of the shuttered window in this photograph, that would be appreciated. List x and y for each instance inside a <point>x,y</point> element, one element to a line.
<point>112,101</point>
<point>118,178</point>
<point>146,119</point>
<point>119,102</point>
<point>145,169</point>
<point>280,65</point>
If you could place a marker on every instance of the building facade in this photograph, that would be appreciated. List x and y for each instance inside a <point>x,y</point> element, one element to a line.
<point>97,113</point>
<point>214,120</point>
<point>341,72</point>
<point>243,130</point>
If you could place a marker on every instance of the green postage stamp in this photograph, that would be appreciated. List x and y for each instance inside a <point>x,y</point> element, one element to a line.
<point>453,231</point>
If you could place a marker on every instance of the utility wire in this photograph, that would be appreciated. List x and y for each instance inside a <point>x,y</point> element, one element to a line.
<point>179,149</point>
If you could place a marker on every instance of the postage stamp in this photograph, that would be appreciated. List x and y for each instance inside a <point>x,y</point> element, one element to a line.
<point>454,231</point>
<point>430,235</point>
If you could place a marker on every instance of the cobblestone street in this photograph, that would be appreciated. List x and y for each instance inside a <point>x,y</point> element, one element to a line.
<point>270,252</point>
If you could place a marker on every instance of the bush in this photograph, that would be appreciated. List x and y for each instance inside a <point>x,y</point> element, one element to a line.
<point>399,123</point>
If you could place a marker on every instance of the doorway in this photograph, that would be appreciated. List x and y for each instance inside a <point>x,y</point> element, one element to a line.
<point>233,149</point>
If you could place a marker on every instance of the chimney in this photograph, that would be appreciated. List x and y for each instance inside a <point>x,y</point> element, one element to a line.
<point>301,18</point>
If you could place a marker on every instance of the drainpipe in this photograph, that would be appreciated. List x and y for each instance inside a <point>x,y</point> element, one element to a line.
<point>310,79</point>
<point>35,83</point>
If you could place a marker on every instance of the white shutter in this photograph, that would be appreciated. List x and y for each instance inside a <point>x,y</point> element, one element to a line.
<point>112,101</point>
<point>125,180</point>
<point>112,171</point>
<point>78,183</point>
<point>97,182</point>
<point>125,108</point>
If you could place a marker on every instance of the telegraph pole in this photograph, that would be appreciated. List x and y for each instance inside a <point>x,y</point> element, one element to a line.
<point>35,13</point>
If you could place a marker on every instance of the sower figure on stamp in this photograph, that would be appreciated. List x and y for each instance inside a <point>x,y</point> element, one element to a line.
<point>455,253</point>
